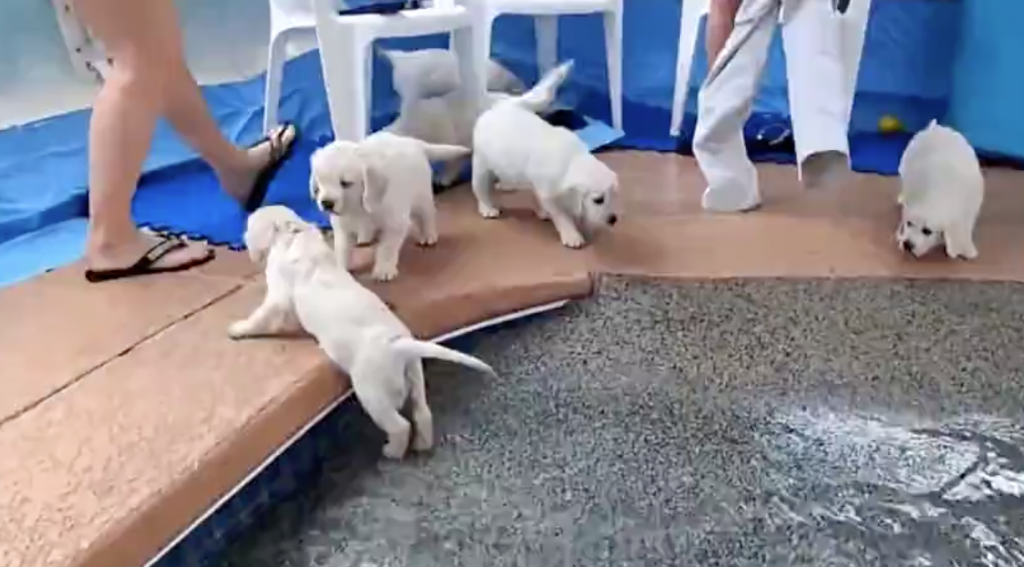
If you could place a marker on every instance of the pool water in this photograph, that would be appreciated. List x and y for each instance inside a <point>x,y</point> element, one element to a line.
<point>809,423</point>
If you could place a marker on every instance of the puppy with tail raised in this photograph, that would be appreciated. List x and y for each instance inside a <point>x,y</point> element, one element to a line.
<point>450,118</point>
<point>513,147</point>
<point>381,186</point>
<point>307,290</point>
<point>942,189</point>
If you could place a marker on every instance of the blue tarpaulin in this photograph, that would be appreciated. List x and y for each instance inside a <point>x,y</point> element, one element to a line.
<point>907,71</point>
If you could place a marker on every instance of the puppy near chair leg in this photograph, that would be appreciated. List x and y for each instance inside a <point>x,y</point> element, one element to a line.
<point>450,172</point>
<point>483,189</point>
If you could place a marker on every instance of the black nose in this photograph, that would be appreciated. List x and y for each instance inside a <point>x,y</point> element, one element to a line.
<point>612,219</point>
<point>908,246</point>
<point>327,204</point>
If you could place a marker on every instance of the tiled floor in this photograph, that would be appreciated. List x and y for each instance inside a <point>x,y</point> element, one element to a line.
<point>114,396</point>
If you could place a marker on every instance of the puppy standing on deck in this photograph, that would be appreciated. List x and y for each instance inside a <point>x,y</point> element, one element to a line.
<point>942,189</point>
<point>379,185</point>
<point>450,118</point>
<point>306,290</point>
<point>515,147</point>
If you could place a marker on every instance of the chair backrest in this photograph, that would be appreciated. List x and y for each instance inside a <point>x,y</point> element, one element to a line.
<point>334,6</point>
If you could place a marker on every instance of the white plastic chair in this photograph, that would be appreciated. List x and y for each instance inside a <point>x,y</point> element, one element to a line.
<point>546,13</point>
<point>345,43</point>
<point>855,22</point>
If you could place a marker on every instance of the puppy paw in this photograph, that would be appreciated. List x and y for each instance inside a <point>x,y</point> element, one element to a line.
<point>488,212</point>
<point>384,273</point>
<point>394,450</point>
<point>543,214</point>
<point>574,241</point>
<point>968,253</point>
<point>238,330</point>
<point>427,240</point>
<point>422,443</point>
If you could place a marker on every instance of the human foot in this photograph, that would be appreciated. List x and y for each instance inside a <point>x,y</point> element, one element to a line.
<point>248,181</point>
<point>144,254</point>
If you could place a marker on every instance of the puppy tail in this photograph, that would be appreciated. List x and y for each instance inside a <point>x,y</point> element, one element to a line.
<point>408,348</point>
<point>444,152</point>
<point>542,95</point>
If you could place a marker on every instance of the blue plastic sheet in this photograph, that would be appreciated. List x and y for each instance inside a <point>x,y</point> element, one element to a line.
<point>987,102</point>
<point>42,250</point>
<point>906,72</point>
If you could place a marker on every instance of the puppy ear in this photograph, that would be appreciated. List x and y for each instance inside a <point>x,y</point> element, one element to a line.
<point>314,187</point>
<point>374,180</point>
<point>571,200</point>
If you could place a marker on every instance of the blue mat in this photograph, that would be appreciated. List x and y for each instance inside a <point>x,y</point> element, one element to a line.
<point>187,200</point>
<point>40,251</point>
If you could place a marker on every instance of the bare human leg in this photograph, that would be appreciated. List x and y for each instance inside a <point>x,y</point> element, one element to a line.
<point>721,17</point>
<point>148,78</point>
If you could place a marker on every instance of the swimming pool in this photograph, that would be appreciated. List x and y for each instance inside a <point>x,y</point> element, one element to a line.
<point>759,422</point>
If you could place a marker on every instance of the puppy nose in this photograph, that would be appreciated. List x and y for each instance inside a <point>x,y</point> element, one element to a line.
<point>908,246</point>
<point>327,204</point>
<point>612,219</point>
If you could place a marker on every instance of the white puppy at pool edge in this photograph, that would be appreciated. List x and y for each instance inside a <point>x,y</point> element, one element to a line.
<point>306,290</point>
<point>515,147</point>
<point>942,189</point>
<point>381,186</point>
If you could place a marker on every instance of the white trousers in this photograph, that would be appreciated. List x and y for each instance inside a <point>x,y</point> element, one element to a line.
<point>819,103</point>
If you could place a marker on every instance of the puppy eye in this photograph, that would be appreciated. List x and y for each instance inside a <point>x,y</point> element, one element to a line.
<point>926,231</point>
<point>599,200</point>
<point>345,184</point>
<point>910,224</point>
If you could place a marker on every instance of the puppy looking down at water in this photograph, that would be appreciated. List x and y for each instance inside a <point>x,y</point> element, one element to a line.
<point>942,189</point>
<point>307,290</point>
<point>383,185</point>
<point>515,147</point>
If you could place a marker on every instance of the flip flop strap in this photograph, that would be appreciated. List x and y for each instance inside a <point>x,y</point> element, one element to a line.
<point>159,250</point>
<point>278,147</point>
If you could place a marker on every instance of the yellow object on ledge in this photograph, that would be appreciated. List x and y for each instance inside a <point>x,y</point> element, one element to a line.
<point>889,124</point>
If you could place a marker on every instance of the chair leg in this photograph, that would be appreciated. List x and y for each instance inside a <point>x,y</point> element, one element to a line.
<point>689,28</point>
<point>343,58</point>
<point>546,32</point>
<point>276,56</point>
<point>613,54</point>
<point>473,49</point>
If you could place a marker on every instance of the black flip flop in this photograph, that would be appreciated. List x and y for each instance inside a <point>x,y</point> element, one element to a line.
<point>279,151</point>
<point>145,265</point>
